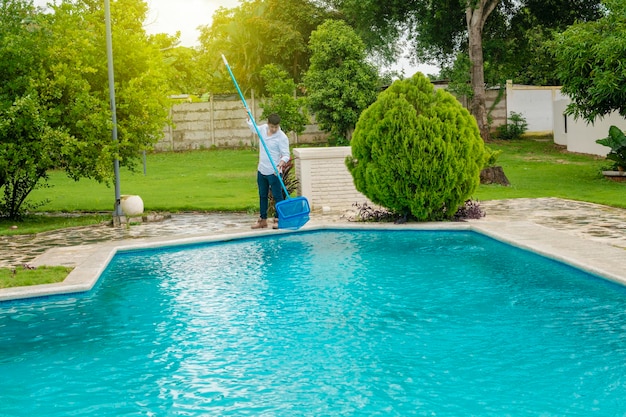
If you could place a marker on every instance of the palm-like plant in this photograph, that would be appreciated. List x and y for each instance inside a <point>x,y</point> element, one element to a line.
<point>617,142</point>
<point>290,181</point>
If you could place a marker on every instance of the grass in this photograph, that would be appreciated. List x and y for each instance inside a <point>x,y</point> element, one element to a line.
<point>210,180</point>
<point>22,276</point>
<point>539,168</point>
<point>207,181</point>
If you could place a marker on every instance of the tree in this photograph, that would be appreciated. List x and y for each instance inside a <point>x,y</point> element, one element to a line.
<point>503,39</point>
<point>558,14</point>
<point>417,151</point>
<point>185,74</point>
<point>591,64</point>
<point>75,84</point>
<point>476,15</point>
<point>54,95</point>
<point>340,84</point>
<point>25,162</point>
<point>517,35</point>
<point>282,100</point>
<point>28,143</point>
<point>434,26</point>
<point>255,34</point>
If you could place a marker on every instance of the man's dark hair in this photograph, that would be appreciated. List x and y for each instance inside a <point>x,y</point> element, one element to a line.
<point>273,119</point>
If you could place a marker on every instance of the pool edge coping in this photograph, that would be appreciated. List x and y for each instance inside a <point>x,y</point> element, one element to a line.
<point>593,257</point>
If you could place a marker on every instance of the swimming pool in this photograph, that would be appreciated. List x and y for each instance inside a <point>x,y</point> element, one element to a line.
<point>322,323</point>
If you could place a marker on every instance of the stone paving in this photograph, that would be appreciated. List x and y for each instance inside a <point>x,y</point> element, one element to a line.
<point>22,249</point>
<point>586,220</point>
<point>589,221</point>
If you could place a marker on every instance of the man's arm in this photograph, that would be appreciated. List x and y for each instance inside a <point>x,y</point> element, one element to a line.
<point>250,125</point>
<point>285,155</point>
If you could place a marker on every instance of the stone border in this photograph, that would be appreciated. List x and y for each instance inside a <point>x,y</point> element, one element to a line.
<point>596,258</point>
<point>617,176</point>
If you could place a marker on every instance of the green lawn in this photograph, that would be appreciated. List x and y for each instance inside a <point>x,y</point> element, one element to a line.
<point>20,276</point>
<point>210,180</point>
<point>538,168</point>
<point>225,180</point>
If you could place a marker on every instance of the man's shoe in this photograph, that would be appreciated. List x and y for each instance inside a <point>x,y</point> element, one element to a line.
<point>275,225</point>
<point>260,224</point>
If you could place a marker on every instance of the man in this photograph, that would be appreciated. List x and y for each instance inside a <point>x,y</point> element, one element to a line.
<point>278,146</point>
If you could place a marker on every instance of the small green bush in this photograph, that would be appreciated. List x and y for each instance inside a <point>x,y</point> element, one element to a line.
<point>417,151</point>
<point>491,156</point>
<point>515,127</point>
<point>616,141</point>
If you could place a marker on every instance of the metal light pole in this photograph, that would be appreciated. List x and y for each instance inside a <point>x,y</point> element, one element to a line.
<point>117,211</point>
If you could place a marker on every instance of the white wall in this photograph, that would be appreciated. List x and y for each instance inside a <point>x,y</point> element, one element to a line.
<point>534,104</point>
<point>544,111</point>
<point>580,136</point>
<point>583,140</point>
<point>325,180</point>
<point>559,129</point>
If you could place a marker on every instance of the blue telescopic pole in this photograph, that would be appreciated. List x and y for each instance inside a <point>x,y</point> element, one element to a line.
<point>256,128</point>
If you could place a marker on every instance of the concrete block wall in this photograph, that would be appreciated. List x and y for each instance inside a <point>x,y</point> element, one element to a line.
<point>495,101</point>
<point>220,122</point>
<point>325,180</point>
<point>497,108</point>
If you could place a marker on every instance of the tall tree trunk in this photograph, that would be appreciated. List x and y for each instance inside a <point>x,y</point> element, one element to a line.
<point>476,14</point>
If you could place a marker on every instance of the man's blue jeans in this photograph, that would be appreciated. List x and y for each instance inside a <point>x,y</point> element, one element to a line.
<point>267,183</point>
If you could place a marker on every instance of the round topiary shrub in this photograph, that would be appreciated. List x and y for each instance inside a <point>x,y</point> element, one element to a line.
<point>417,151</point>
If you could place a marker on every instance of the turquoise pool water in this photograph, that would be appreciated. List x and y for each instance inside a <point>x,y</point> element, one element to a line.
<point>388,323</point>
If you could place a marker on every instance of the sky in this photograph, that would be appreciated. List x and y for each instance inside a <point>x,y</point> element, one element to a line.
<point>170,16</point>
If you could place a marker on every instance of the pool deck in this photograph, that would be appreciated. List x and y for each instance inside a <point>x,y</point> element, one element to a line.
<point>588,236</point>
